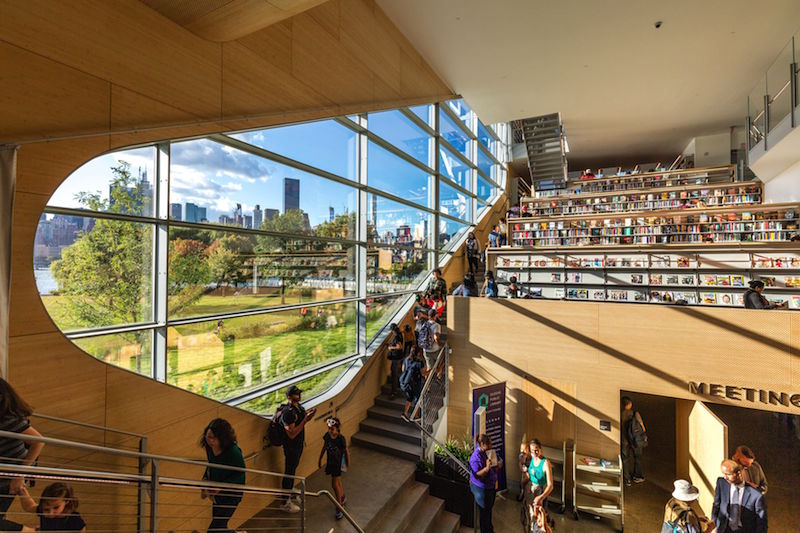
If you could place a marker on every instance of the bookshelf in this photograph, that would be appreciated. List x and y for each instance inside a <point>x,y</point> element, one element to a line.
<point>689,196</point>
<point>648,180</point>
<point>756,223</point>
<point>597,488</point>
<point>557,456</point>
<point>712,274</point>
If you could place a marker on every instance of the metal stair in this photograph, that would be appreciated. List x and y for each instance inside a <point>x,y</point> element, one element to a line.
<point>544,143</point>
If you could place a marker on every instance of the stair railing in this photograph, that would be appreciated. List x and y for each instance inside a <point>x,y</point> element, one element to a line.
<point>109,498</point>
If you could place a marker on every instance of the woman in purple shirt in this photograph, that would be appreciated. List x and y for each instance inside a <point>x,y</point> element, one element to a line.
<point>483,480</point>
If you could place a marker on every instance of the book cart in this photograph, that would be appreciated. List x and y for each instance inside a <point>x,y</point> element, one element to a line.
<point>597,488</point>
<point>712,274</point>
<point>557,457</point>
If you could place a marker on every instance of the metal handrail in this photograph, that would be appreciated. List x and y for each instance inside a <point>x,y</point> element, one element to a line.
<point>154,480</point>
<point>139,455</point>
<point>428,380</point>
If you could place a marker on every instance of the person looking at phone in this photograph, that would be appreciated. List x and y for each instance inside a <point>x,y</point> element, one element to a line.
<point>294,420</point>
<point>483,467</point>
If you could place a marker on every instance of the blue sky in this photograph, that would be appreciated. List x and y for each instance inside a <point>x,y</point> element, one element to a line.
<point>217,177</point>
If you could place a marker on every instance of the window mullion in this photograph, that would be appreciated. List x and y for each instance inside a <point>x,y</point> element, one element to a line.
<point>160,265</point>
<point>362,230</point>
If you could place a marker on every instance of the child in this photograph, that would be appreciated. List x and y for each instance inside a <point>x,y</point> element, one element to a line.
<point>335,445</point>
<point>57,508</point>
<point>411,379</point>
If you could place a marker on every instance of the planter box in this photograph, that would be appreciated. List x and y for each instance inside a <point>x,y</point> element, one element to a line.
<point>456,495</point>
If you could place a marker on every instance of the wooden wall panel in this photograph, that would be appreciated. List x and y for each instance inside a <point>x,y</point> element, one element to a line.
<point>89,76</point>
<point>604,348</point>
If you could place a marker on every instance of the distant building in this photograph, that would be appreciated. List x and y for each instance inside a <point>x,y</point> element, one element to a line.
<point>404,234</point>
<point>374,211</point>
<point>141,194</point>
<point>225,220</point>
<point>201,214</point>
<point>176,211</point>
<point>258,216</point>
<point>248,222</point>
<point>192,213</point>
<point>332,213</point>
<point>270,214</point>
<point>291,194</point>
<point>238,218</point>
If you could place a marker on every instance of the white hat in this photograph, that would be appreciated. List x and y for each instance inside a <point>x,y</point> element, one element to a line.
<point>685,491</point>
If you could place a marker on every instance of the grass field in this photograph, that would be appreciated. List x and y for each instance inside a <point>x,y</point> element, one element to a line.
<point>242,353</point>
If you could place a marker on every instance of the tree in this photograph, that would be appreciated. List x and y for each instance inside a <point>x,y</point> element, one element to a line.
<point>228,257</point>
<point>105,274</point>
<point>188,273</point>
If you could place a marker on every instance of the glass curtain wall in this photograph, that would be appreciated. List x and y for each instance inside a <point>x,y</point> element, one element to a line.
<point>237,264</point>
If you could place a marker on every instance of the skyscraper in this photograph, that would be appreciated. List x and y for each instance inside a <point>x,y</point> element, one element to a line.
<point>258,215</point>
<point>270,214</point>
<point>201,214</point>
<point>291,194</point>
<point>332,213</point>
<point>248,221</point>
<point>176,211</point>
<point>374,211</point>
<point>238,219</point>
<point>191,213</point>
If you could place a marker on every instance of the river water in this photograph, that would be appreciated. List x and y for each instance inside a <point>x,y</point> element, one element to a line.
<point>45,281</point>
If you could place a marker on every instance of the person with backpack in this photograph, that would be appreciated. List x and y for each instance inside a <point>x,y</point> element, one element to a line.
<point>473,252</point>
<point>679,516</point>
<point>411,380</point>
<point>338,456</point>
<point>396,355</point>
<point>293,418</point>
<point>468,287</point>
<point>633,439</point>
<point>428,339</point>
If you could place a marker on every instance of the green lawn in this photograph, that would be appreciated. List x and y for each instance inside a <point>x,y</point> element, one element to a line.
<point>296,343</point>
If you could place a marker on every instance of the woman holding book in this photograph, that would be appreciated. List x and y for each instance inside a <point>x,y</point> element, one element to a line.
<point>753,299</point>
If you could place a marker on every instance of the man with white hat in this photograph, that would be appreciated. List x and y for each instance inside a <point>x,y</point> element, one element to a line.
<point>679,516</point>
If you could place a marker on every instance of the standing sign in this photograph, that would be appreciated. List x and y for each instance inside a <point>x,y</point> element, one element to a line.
<point>493,399</point>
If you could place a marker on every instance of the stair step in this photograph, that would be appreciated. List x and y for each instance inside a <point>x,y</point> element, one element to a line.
<point>425,516</point>
<point>447,523</point>
<point>403,431</point>
<point>385,401</point>
<point>390,414</point>
<point>406,506</point>
<point>401,449</point>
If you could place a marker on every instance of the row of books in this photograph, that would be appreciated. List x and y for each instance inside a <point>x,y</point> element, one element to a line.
<point>623,184</point>
<point>692,297</point>
<point>745,223</point>
<point>649,205</point>
<point>653,260</point>
<point>554,242</point>
<point>698,194</point>
<point>639,278</point>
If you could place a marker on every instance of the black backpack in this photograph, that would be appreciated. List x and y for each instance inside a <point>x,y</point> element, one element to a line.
<point>276,432</point>
<point>410,377</point>
<point>635,432</point>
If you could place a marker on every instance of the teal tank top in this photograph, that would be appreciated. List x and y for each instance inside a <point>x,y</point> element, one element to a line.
<point>537,473</point>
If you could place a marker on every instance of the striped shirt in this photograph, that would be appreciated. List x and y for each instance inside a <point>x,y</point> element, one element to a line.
<point>13,448</point>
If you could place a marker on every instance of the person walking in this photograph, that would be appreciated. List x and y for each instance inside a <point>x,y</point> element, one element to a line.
<point>483,465</point>
<point>219,442</point>
<point>429,339</point>
<point>335,446</point>
<point>753,299</point>
<point>411,380</point>
<point>633,439</point>
<point>678,512</point>
<point>738,507</point>
<point>540,472</point>
<point>752,472</point>
<point>473,252</point>
<point>294,419</point>
<point>14,413</point>
<point>524,462</point>
<point>502,229</point>
<point>396,354</point>
<point>436,292</point>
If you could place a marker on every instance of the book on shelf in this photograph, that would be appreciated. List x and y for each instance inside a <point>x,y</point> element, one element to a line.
<point>769,281</point>
<point>687,280</point>
<point>708,298</point>
<point>708,279</point>
<point>737,281</point>
<point>723,280</point>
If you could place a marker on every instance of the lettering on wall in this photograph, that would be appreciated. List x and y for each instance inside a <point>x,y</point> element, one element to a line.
<point>744,394</point>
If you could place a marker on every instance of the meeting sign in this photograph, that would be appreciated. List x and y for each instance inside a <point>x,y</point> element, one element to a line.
<point>745,394</point>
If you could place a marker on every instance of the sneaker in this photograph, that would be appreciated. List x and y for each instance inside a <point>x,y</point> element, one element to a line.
<point>638,480</point>
<point>405,418</point>
<point>298,501</point>
<point>339,514</point>
<point>344,500</point>
<point>628,483</point>
<point>290,507</point>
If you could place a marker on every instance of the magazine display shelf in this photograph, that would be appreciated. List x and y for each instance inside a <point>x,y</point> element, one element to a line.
<point>712,274</point>
<point>597,489</point>
<point>557,457</point>
<point>653,199</point>
<point>756,223</point>
<point>647,180</point>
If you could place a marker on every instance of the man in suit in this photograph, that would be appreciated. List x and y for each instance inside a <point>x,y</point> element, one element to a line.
<point>738,507</point>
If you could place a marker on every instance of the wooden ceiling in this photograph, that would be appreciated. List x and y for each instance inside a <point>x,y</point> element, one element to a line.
<point>228,20</point>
